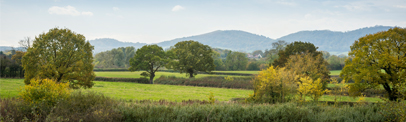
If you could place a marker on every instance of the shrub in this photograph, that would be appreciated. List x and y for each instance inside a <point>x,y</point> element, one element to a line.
<point>220,82</point>
<point>273,85</point>
<point>312,88</point>
<point>44,90</point>
<point>133,80</point>
<point>246,112</point>
<point>89,106</point>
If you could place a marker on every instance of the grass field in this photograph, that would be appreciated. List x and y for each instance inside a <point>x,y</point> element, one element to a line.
<point>129,91</point>
<point>122,90</point>
<point>335,72</point>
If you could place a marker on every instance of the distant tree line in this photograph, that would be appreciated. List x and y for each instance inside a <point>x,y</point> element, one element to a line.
<point>224,59</point>
<point>115,58</point>
<point>10,67</point>
<point>10,61</point>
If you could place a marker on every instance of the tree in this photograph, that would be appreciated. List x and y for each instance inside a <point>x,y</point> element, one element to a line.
<point>191,57</point>
<point>256,52</point>
<point>378,59</point>
<point>253,65</point>
<point>217,61</point>
<point>273,85</point>
<point>326,54</point>
<point>149,58</point>
<point>236,61</point>
<point>272,54</point>
<point>114,58</point>
<point>61,55</point>
<point>26,43</point>
<point>305,65</point>
<point>294,48</point>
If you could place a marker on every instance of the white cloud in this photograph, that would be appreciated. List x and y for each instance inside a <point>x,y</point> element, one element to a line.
<point>177,8</point>
<point>68,10</point>
<point>116,9</point>
<point>400,6</point>
<point>88,13</point>
<point>283,2</point>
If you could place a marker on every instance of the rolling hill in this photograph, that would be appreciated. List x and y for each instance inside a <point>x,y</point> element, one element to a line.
<point>332,41</point>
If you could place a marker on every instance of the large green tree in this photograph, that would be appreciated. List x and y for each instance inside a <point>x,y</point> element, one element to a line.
<point>149,58</point>
<point>191,57</point>
<point>294,48</point>
<point>378,60</point>
<point>61,55</point>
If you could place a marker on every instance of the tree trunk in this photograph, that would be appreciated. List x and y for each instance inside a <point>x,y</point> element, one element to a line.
<point>151,78</point>
<point>190,74</point>
<point>393,96</point>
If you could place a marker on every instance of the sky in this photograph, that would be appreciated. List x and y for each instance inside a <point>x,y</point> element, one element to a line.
<point>153,21</point>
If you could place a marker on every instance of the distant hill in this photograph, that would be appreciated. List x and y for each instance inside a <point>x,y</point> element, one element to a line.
<point>8,48</point>
<point>105,44</point>
<point>332,41</point>
<point>229,39</point>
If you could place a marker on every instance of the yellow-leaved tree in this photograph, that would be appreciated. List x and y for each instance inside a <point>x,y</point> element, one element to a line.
<point>273,85</point>
<point>306,67</point>
<point>312,88</point>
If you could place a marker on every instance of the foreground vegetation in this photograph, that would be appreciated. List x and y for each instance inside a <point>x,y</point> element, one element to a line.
<point>90,106</point>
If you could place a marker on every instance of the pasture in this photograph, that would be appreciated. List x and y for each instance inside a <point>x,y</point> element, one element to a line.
<point>335,72</point>
<point>130,91</point>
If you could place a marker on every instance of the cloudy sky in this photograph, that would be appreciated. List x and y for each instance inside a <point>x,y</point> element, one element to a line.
<point>156,21</point>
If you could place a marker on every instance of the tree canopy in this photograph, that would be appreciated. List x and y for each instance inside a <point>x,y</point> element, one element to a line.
<point>378,59</point>
<point>149,58</point>
<point>191,57</point>
<point>236,61</point>
<point>114,58</point>
<point>61,55</point>
<point>294,48</point>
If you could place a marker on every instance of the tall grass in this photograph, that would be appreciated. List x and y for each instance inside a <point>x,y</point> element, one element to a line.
<point>97,107</point>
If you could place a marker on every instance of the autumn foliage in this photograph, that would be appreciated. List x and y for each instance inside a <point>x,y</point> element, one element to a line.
<point>44,90</point>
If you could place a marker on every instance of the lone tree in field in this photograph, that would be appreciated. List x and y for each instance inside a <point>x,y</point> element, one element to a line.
<point>149,58</point>
<point>294,48</point>
<point>61,55</point>
<point>190,57</point>
<point>378,59</point>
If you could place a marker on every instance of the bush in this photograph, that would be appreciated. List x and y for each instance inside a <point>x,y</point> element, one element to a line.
<point>78,107</point>
<point>44,90</point>
<point>96,107</point>
<point>220,82</point>
<point>133,80</point>
<point>246,112</point>
<point>273,85</point>
<point>88,107</point>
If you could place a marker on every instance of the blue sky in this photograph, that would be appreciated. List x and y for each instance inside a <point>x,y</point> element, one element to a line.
<point>157,21</point>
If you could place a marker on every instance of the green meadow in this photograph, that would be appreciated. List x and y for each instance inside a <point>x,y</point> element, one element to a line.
<point>131,91</point>
<point>134,91</point>
<point>335,72</point>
